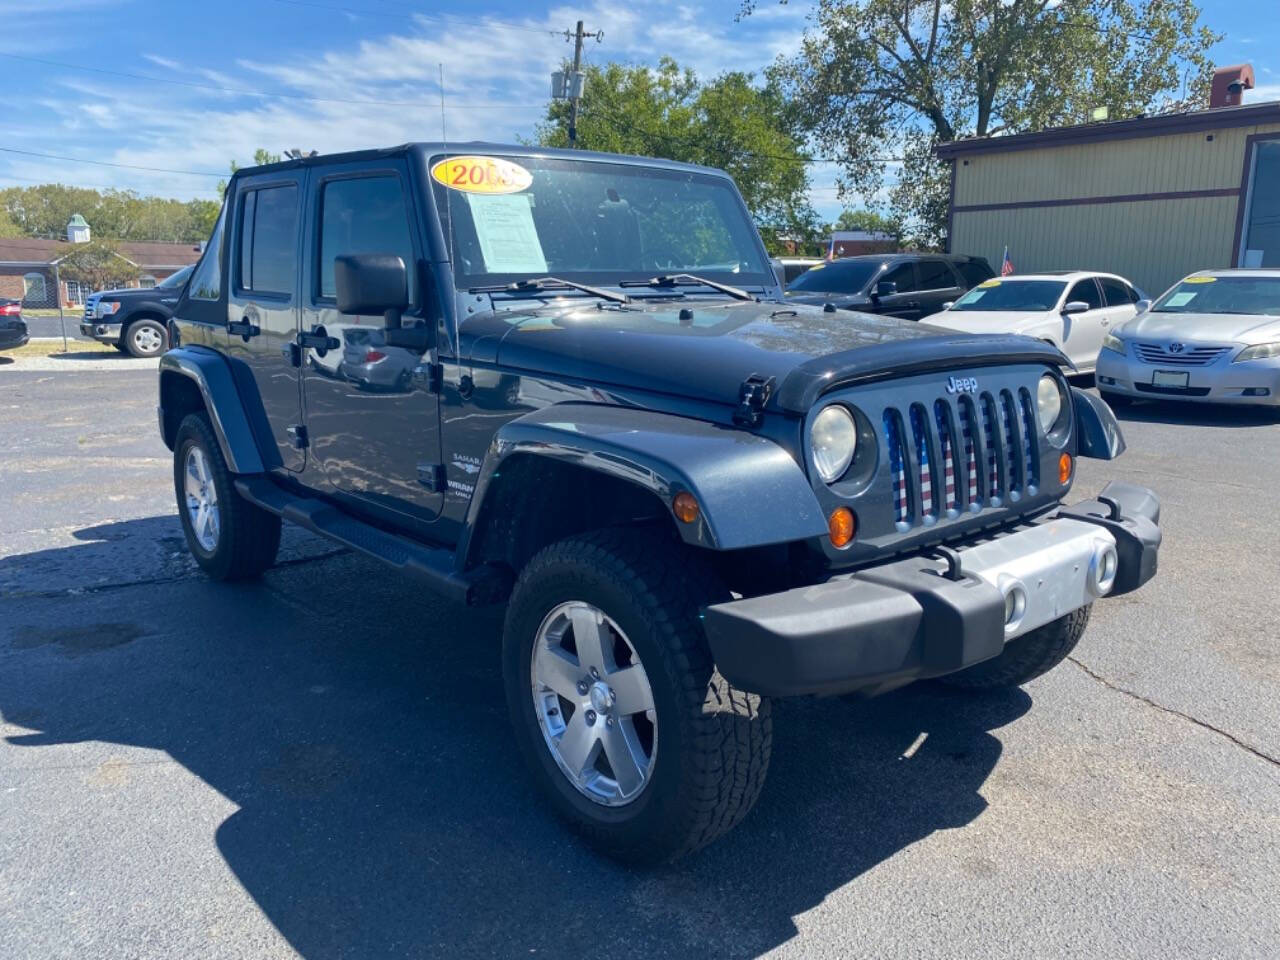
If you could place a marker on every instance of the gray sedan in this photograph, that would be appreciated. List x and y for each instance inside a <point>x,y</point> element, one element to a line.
<point>1214,338</point>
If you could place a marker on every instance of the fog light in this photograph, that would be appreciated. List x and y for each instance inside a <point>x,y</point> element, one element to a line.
<point>1257,392</point>
<point>1064,469</point>
<point>1109,381</point>
<point>685,507</point>
<point>841,526</point>
<point>1102,569</point>
<point>1015,602</point>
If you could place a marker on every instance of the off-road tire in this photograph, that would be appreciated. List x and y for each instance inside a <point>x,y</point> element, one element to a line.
<point>1025,657</point>
<point>127,337</point>
<point>249,537</point>
<point>713,741</point>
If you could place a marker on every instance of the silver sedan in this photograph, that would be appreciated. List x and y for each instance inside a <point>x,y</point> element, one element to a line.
<point>1214,337</point>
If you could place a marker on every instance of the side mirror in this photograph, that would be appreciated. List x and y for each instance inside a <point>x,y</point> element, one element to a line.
<point>372,283</point>
<point>886,288</point>
<point>1142,306</point>
<point>948,305</point>
<point>1076,306</point>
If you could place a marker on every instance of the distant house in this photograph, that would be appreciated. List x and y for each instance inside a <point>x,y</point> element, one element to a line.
<point>27,265</point>
<point>853,243</point>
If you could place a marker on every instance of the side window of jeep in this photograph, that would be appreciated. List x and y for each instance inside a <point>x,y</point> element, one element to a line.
<point>268,240</point>
<point>363,215</point>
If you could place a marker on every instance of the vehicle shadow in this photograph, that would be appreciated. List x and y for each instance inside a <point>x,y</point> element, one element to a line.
<point>1196,415</point>
<point>359,726</point>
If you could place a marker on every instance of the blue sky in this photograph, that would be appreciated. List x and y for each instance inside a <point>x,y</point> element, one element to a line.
<point>359,73</point>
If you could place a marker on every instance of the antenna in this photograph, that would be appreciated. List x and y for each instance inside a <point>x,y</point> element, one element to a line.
<point>448,194</point>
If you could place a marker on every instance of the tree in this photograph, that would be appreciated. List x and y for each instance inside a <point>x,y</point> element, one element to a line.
<point>867,220</point>
<point>7,227</point>
<point>97,263</point>
<point>880,83</point>
<point>729,123</point>
<point>261,157</point>
<point>119,214</point>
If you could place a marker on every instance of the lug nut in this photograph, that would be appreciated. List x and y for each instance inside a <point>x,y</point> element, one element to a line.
<point>582,687</point>
<point>608,721</point>
<point>595,673</point>
<point>591,717</point>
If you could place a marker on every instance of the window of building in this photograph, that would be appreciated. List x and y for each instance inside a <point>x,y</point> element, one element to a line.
<point>268,240</point>
<point>1086,290</point>
<point>35,290</point>
<point>206,282</point>
<point>935,275</point>
<point>76,292</point>
<point>365,215</point>
<point>1117,293</point>
<point>147,282</point>
<point>1260,243</point>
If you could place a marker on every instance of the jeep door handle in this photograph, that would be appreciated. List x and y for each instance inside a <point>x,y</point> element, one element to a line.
<point>318,339</point>
<point>243,328</point>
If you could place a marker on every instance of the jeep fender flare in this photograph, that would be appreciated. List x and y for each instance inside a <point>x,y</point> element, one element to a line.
<point>209,371</point>
<point>750,490</point>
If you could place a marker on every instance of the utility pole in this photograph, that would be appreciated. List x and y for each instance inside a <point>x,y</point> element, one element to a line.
<point>569,86</point>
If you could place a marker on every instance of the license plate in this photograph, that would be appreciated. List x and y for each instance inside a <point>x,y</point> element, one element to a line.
<point>1170,378</point>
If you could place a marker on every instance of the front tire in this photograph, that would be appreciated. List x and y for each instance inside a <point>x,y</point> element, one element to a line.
<point>230,538</point>
<point>619,712</point>
<point>145,338</point>
<point>1026,657</point>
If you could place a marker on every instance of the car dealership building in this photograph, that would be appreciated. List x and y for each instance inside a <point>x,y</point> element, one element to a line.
<point>1151,198</point>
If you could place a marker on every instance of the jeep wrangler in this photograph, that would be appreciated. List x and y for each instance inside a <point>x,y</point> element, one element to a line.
<point>691,495</point>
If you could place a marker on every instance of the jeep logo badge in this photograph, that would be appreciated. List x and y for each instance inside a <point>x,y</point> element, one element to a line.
<point>962,385</point>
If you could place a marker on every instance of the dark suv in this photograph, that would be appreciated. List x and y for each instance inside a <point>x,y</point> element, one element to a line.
<point>690,495</point>
<point>906,285</point>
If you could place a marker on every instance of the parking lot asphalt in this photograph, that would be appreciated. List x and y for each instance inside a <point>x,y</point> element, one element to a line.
<point>319,764</point>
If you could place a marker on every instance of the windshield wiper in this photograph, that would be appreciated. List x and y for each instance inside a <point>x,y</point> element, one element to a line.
<point>553,283</point>
<point>688,280</point>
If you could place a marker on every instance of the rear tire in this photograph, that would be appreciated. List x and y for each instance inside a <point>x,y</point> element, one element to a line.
<point>231,538</point>
<point>704,752</point>
<point>1025,657</point>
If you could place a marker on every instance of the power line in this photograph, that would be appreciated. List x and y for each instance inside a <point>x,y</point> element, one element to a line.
<point>486,24</point>
<point>242,91</point>
<point>122,166</point>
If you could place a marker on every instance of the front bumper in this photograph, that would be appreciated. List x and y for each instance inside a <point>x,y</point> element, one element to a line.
<point>101,331</point>
<point>921,617</point>
<point>1253,382</point>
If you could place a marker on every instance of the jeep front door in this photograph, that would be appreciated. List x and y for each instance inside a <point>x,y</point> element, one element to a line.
<point>262,310</point>
<point>372,416</point>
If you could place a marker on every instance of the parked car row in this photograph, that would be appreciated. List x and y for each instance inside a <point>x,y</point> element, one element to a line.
<point>13,329</point>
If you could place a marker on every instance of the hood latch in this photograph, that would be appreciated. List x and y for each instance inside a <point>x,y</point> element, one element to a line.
<point>753,395</point>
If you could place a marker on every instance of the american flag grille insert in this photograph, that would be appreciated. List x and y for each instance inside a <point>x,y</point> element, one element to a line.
<point>1188,356</point>
<point>960,454</point>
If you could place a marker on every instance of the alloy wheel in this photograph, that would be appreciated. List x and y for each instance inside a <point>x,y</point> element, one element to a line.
<point>201,495</point>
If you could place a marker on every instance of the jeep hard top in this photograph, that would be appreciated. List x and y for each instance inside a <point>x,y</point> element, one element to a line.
<point>568,382</point>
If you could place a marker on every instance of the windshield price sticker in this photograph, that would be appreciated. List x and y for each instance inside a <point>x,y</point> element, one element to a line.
<point>989,283</point>
<point>481,175</point>
<point>1200,280</point>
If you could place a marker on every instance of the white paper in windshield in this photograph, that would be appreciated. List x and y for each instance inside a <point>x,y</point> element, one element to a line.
<point>508,239</point>
<point>1181,299</point>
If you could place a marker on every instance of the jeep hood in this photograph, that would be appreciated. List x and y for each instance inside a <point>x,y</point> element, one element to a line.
<point>705,349</point>
<point>1249,328</point>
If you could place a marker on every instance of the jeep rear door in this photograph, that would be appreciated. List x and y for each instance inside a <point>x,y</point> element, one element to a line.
<point>262,306</point>
<point>372,417</point>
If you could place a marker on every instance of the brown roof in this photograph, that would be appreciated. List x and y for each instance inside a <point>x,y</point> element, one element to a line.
<point>1219,118</point>
<point>145,255</point>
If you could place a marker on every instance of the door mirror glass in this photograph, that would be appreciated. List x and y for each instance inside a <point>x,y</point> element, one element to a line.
<point>370,283</point>
<point>1076,306</point>
<point>886,288</point>
<point>948,305</point>
<point>1142,306</point>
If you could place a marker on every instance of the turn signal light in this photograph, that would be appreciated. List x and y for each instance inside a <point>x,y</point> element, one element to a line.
<point>1064,469</point>
<point>685,507</point>
<point>841,526</point>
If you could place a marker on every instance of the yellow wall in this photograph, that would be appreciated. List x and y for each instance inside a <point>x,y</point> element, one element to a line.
<point>1153,243</point>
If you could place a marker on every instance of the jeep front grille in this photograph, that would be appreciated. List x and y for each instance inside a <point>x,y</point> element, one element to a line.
<point>995,458</point>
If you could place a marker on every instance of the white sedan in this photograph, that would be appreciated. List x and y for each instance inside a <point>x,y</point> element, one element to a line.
<point>1073,311</point>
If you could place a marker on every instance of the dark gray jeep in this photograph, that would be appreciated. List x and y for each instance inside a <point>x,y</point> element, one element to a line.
<point>691,495</point>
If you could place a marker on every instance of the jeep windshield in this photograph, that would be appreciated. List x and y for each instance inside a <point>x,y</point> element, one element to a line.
<point>1248,295</point>
<point>1011,296</point>
<point>513,218</point>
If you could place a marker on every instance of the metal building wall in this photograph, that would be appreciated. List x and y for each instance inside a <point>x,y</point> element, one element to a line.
<point>1151,209</point>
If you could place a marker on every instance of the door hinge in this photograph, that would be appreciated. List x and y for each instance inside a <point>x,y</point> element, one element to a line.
<point>429,376</point>
<point>298,436</point>
<point>753,395</point>
<point>432,476</point>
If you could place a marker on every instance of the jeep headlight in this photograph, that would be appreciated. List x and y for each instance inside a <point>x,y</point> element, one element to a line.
<point>1049,401</point>
<point>1263,351</point>
<point>1113,343</point>
<point>833,437</point>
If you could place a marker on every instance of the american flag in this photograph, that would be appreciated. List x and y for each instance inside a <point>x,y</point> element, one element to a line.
<point>1006,265</point>
<point>922,454</point>
<point>950,501</point>
<point>970,453</point>
<point>902,510</point>
<point>831,248</point>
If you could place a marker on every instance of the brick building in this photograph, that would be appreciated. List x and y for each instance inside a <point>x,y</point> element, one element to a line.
<point>27,265</point>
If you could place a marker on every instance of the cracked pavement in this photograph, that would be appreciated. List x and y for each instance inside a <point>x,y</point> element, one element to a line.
<point>318,764</point>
